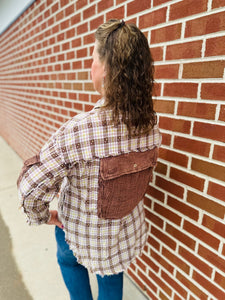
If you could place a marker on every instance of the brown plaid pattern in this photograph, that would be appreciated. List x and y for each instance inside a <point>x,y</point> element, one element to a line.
<point>70,160</point>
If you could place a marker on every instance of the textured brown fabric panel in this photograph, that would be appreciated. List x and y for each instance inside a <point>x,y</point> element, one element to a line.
<point>123,182</point>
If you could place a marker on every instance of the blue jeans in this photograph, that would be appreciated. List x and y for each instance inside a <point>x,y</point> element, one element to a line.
<point>110,287</point>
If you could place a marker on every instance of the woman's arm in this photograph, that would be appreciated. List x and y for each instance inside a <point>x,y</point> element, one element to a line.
<point>40,181</point>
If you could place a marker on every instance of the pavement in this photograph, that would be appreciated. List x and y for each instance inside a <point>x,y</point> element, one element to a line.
<point>29,270</point>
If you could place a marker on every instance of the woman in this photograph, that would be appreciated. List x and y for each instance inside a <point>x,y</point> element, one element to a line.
<point>102,162</point>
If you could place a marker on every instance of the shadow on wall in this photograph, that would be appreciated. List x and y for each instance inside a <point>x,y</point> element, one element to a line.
<point>11,284</point>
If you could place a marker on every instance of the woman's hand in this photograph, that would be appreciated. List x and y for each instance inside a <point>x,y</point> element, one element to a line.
<point>54,219</point>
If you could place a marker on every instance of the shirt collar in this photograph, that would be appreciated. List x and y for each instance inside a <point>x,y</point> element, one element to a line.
<point>100,103</point>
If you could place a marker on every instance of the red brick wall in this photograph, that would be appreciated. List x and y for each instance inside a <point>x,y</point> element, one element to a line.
<point>45,59</point>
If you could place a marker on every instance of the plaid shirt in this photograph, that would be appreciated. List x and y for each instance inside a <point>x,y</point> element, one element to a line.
<point>70,162</point>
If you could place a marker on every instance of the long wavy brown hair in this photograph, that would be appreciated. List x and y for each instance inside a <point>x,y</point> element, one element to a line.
<point>129,81</point>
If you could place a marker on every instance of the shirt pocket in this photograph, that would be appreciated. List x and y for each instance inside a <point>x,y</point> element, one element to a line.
<point>123,181</point>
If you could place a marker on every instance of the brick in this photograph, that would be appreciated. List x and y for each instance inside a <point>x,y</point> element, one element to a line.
<point>69,10</point>
<point>220,279</point>
<point>160,283</point>
<point>166,139</point>
<point>213,91</point>
<point>166,34</point>
<point>209,131</point>
<point>217,3</point>
<point>104,4</point>
<point>209,169</point>
<point>77,64</point>
<point>164,238</point>
<point>175,125</point>
<point>211,257</point>
<point>64,25</point>
<point>136,279</point>
<point>137,6</point>
<point>222,113</point>
<point>151,295</point>
<point>192,146</point>
<point>60,37</point>
<point>88,107</point>
<point>75,19</point>
<point>80,4</point>
<point>59,16</point>
<point>77,86</point>
<point>120,1</point>
<point>82,75</point>
<point>181,89</point>
<point>183,208</point>
<point>78,106</point>
<point>176,297</point>
<point>76,42</point>
<point>161,168</point>
<point>209,69</point>
<point>55,29</point>
<point>176,260</point>
<point>217,191</point>
<point>117,13</point>
<point>157,53</point>
<point>153,218</point>
<point>147,281</point>
<point>184,50</point>
<point>96,22</point>
<point>158,2</point>
<point>201,234</point>
<point>206,204</point>
<point>180,236</point>
<point>94,98</point>
<point>70,33</point>
<point>174,157</point>
<point>205,25</point>
<point>63,2</point>
<point>215,46</point>
<point>214,225</point>
<point>149,262</point>
<point>54,8</point>
<point>164,106</point>
<point>66,66</point>
<point>82,28</point>
<point>70,55</point>
<point>160,260</point>
<point>152,191</point>
<point>191,287</point>
<point>197,110</point>
<point>153,18</point>
<point>132,20</point>
<point>167,214</point>
<point>141,264</point>
<point>162,296</point>
<point>170,187</point>
<point>174,284</point>
<point>187,8</point>
<point>156,89</point>
<point>81,53</point>
<point>153,243</point>
<point>219,153</point>
<point>89,12</point>
<point>72,96</point>
<point>166,71</point>
<point>88,39</point>
<point>88,86</point>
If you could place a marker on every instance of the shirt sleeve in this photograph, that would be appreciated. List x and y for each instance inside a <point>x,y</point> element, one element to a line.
<point>40,180</point>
